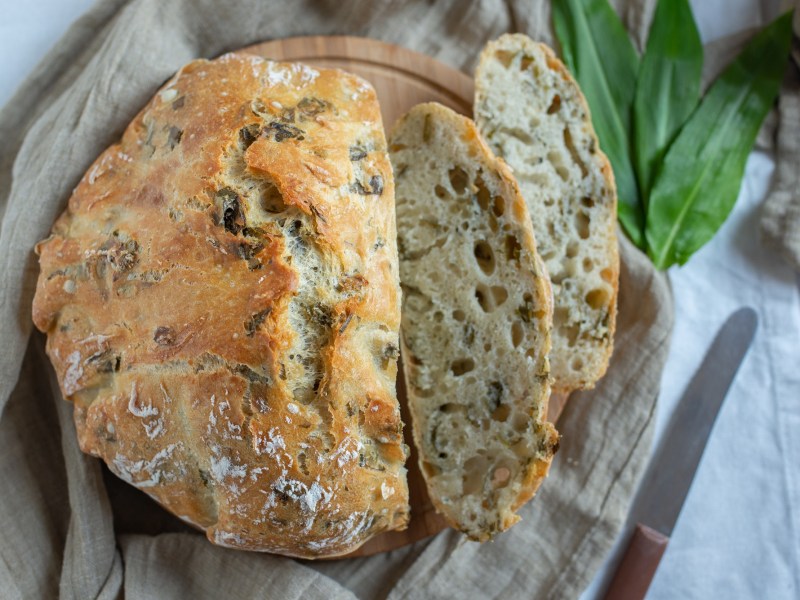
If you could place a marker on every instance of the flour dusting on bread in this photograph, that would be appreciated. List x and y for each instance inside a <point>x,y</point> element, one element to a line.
<point>233,262</point>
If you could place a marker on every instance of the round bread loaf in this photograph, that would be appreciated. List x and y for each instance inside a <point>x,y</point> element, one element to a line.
<point>221,301</point>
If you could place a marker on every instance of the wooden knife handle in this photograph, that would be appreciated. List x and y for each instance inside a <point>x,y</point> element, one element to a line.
<point>638,566</point>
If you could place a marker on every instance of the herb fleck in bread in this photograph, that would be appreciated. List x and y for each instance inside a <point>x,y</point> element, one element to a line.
<point>476,323</point>
<point>532,114</point>
<point>221,299</point>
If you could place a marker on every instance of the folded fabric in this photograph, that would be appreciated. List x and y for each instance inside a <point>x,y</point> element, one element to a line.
<point>65,531</point>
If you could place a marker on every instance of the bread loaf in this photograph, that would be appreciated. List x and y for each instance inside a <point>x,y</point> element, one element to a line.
<point>475,333</point>
<point>533,115</point>
<point>221,301</point>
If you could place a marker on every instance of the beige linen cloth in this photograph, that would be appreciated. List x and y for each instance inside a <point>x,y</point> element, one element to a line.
<point>70,529</point>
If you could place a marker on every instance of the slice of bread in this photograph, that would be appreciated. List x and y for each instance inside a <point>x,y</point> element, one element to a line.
<point>533,115</point>
<point>476,319</point>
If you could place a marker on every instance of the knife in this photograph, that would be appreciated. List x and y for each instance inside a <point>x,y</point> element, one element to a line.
<point>668,478</point>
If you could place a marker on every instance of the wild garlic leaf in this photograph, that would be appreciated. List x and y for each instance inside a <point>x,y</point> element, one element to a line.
<point>700,177</point>
<point>668,87</point>
<point>596,48</point>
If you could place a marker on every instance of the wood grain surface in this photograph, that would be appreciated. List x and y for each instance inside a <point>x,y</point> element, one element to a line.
<point>402,78</point>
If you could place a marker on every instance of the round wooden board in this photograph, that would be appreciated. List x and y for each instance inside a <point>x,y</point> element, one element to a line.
<point>402,78</point>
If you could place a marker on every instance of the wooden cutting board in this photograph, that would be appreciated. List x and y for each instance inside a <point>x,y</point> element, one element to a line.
<point>402,79</point>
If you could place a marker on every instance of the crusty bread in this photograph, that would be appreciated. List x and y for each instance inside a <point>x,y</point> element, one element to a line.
<point>532,114</point>
<point>476,322</point>
<point>221,299</point>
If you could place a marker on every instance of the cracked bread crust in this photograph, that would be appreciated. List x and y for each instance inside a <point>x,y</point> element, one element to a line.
<point>221,300</point>
<point>533,115</point>
<point>477,313</point>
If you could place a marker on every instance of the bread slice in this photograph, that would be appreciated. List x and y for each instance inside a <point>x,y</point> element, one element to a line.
<point>476,322</point>
<point>532,114</point>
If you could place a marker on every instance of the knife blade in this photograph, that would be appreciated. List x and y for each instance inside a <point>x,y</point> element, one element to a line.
<point>669,476</point>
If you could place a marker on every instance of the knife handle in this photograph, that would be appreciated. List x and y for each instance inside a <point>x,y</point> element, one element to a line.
<point>636,570</point>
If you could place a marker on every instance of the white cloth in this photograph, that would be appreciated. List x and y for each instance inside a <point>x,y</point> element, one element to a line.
<point>740,528</point>
<point>738,535</point>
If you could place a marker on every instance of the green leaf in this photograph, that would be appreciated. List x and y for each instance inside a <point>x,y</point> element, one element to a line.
<point>668,87</point>
<point>700,177</point>
<point>596,48</point>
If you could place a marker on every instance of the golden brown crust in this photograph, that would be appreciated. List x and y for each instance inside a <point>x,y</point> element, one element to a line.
<point>221,301</point>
